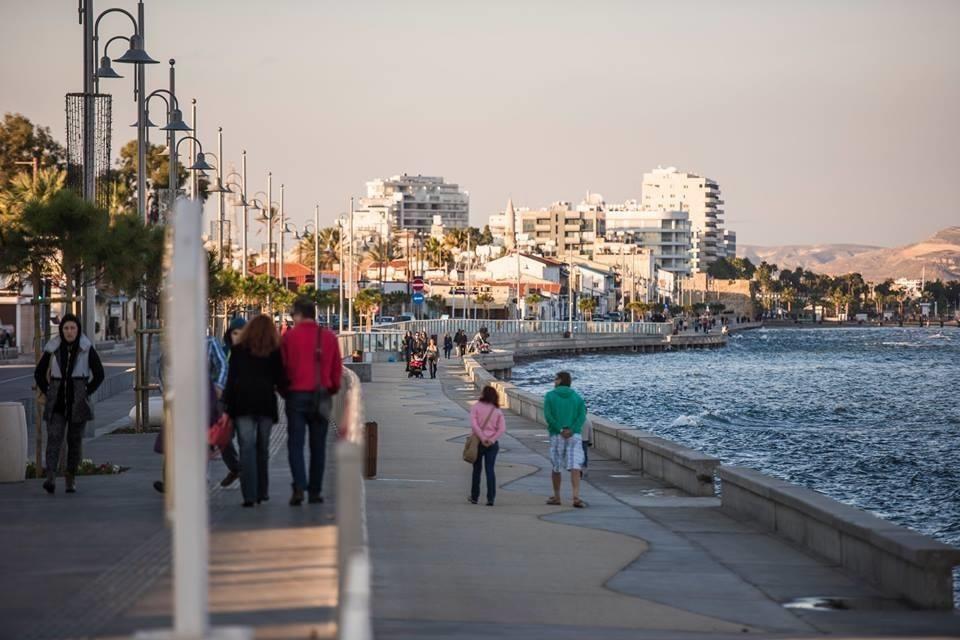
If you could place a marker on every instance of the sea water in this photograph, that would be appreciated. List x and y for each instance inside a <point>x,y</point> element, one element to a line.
<point>868,416</point>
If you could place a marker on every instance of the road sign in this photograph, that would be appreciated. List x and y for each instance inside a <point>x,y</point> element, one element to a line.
<point>418,284</point>
<point>418,297</point>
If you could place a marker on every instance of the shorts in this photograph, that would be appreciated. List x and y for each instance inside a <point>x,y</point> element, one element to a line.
<point>566,454</point>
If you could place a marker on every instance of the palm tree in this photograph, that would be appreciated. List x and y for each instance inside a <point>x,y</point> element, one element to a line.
<point>587,306</point>
<point>365,302</point>
<point>534,299</point>
<point>485,299</point>
<point>635,307</point>
<point>23,189</point>
<point>382,254</point>
<point>329,246</point>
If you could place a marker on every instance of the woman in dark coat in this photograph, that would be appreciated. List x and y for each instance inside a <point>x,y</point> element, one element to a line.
<point>68,374</point>
<point>254,376</point>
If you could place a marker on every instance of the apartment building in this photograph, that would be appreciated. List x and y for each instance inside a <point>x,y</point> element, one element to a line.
<point>664,233</point>
<point>411,202</point>
<point>667,189</point>
<point>560,229</point>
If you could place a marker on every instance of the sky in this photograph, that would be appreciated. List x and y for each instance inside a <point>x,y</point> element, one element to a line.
<point>822,120</point>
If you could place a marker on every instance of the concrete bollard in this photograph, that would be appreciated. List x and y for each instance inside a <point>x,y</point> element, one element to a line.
<point>370,450</point>
<point>13,442</point>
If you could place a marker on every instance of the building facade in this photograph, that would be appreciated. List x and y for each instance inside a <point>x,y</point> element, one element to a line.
<point>665,233</point>
<point>411,202</point>
<point>670,190</point>
<point>560,229</point>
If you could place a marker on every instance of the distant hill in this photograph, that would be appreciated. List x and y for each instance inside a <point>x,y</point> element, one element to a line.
<point>939,255</point>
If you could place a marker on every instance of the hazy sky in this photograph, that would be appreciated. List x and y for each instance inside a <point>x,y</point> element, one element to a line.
<point>823,121</point>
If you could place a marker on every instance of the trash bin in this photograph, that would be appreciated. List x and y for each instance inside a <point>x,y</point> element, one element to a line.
<point>13,442</point>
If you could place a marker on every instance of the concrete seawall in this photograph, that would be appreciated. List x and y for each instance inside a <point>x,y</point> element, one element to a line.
<point>895,559</point>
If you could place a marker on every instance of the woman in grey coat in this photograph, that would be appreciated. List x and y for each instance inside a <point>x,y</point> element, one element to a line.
<point>68,374</point>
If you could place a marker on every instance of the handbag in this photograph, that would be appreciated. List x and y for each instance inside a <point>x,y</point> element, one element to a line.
<point>471,448</point>
<point>221,433</point>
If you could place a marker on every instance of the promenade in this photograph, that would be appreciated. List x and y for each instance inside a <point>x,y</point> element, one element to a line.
<point>643,561</point>
<point>96,564</point>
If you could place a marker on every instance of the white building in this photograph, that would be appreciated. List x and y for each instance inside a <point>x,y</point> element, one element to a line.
<point>665,233</point>
<point>729,244</point>
<point>411,202</point>
<point>669,190</point>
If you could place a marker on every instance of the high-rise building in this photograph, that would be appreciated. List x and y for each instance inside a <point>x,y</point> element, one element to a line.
<point>729,244</point>
<point>671,190</point>
<point>411,202</point>
<point>666,234</point>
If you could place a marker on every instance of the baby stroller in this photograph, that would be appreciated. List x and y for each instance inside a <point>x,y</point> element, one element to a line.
<point>417,365</point>
<point>483,347</point>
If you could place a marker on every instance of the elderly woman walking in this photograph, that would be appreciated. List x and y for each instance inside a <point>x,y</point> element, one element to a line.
<point>68,374</point>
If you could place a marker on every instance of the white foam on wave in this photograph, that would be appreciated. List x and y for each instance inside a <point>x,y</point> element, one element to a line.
<point>686,421</point>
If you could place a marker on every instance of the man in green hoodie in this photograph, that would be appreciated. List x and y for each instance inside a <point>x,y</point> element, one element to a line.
<point>565,413</point>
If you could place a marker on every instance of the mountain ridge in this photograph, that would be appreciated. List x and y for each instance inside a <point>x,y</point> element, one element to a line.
<point>935,257</point>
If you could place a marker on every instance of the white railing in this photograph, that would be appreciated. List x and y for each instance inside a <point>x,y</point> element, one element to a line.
<point>353,556</point>
<point>451,326</point>
<point>380,340</point>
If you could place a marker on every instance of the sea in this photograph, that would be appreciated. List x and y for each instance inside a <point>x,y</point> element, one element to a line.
<point>868,416</point>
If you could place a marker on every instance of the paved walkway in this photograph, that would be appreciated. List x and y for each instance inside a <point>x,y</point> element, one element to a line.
<point>642,561</point>
<point>95,564</point>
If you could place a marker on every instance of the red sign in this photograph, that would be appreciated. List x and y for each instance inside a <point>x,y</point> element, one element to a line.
<point>418,284</point>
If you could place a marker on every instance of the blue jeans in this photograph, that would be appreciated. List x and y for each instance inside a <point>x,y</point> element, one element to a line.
<point>300,417</point>
<point>253,432</point>
<point>486,458</point>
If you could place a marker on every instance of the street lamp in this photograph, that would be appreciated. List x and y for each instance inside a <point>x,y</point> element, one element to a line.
<point>311,227</point>
<point>135,55</point>
<point>174,123</point>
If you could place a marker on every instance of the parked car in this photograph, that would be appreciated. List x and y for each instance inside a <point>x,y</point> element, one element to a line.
<point>384,320</point>
<point>404,317</point>
<point>615,316</point>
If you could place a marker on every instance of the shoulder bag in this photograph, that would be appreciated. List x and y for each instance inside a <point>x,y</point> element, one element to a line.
<point>471,448</point>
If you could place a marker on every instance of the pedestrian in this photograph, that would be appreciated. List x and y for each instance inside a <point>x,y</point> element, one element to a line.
<point>229,453</point>
<point>311,358</point>
<point>433,354</point>
<point>462,342</point>
<point>407,348</point>
<point>215,383</point>
<point>447,345</point>
<point>254,376</point>
<point>565,412</point>
<point>68,374</point>
<point>488,424</point>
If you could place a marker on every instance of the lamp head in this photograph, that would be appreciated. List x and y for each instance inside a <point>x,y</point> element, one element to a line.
<point>105,70</point>
<point>176,122</point>
<point>135,54</point>
<point>200,164</point>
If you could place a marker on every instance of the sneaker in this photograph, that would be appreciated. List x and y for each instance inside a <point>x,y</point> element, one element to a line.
<point>297,498</point>
<point>229,479</point>
<point>472,500</point>
<point>263,499</point>
<point>247,504</point>
<point>71,482</point>
<point>50,484</point>
<point>158,485</point>
<point>315,498</point>
<point>490,503</point>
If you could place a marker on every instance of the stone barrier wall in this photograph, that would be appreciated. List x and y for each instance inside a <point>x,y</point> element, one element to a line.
<point>893,558</point>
